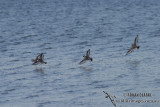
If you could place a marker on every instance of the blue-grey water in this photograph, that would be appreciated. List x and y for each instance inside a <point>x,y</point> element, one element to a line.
<point>64,30</point>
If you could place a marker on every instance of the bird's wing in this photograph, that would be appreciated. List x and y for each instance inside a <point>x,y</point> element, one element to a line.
<point>35,63</point>
<point>83,61</point>
<point>136,40</point>
<point>88,52</point>
<point>129,51</point>
<point>42,56</point>
<point>36,59</point>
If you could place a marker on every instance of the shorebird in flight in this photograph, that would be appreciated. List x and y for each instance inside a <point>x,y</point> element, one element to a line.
<point>111,98</point>
<point>134,45</point>
<point>39,59</point>
<point>87,57</point>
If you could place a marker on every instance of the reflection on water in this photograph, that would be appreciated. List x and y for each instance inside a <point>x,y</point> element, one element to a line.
<point>86,68</point>
<point>133,64</point>
<point>64,29</point>
<point>39,69</point>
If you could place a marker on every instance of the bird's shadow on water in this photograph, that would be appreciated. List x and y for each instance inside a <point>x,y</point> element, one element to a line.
<point>133,64</point>
<point>86,68</point>
<point>39,69</point>
<point>86,71</point>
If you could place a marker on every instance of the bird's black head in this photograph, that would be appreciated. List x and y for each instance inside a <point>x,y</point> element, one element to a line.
<point>138,47</point>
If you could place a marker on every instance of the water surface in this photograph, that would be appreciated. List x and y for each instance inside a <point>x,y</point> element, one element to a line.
<point>64,31</point>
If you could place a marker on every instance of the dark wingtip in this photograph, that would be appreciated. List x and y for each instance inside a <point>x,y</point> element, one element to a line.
<point>88,50</point>
<point>91,59</point>
<point>80,63</point>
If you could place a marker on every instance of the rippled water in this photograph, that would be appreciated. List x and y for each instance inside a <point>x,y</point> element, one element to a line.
<point>64,30</point>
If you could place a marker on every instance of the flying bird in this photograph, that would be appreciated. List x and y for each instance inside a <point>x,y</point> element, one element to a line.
<point>87,57</point>
<point>134,45</point>
<point>39,59</point>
